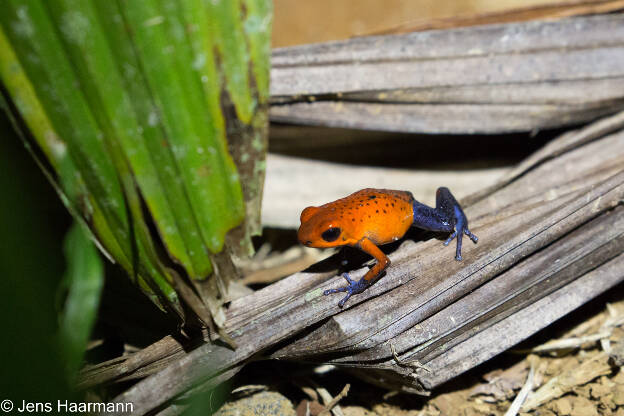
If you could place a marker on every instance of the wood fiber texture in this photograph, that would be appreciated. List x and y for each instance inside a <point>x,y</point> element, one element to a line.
<point>484,79</point>
<point>551,231</point>
<point>551,238</point>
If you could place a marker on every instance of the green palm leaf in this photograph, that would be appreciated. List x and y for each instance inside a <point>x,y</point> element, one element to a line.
<point>132,104</point>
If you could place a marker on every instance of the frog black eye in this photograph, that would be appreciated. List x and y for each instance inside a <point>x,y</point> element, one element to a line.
<point>331,234</point>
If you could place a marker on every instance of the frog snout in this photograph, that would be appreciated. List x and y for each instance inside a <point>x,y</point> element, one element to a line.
<point>303,240</point>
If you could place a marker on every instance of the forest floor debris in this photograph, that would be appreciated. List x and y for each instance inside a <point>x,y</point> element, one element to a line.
<point>575,372</point>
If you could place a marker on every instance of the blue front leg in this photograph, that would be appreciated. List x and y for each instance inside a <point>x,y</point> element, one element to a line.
<point>447,216</point>
<point>353,288</point>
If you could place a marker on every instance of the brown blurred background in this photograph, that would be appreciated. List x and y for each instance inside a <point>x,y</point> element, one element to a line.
<point>297,22</point>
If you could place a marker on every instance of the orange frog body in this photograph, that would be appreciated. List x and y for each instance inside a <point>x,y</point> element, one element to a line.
<point>372,217</point>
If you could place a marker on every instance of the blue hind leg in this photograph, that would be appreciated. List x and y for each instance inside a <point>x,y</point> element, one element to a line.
<point>447,216</point>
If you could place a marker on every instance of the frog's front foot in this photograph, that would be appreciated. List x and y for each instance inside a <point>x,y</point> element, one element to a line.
<point>353,287</point>
<point>461,228</point>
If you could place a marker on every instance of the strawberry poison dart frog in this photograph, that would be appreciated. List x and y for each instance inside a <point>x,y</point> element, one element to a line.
<point>372,217</point>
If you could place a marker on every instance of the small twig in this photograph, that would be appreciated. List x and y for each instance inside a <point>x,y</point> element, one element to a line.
<point>331,404</point>
<point>524,391</point>
<point>249,389</point>
<point>94,344</point>
<point>568,343</point>
<point>308,391</point>
<point>411,364</point>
